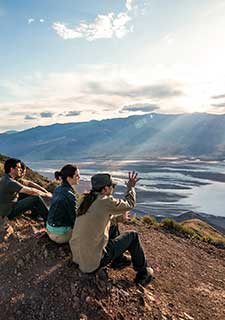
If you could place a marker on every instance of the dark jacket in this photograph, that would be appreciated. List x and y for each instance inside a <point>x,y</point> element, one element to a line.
<point>62,212</point>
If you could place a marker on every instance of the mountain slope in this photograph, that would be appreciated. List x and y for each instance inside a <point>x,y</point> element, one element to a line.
<point>204,230</point>
<point>151,135</point>
<point>38,279</point>
<point>30,175</point>
<point>216,222</point>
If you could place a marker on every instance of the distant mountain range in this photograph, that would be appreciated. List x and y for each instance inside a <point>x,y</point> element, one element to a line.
<point>197,135</point>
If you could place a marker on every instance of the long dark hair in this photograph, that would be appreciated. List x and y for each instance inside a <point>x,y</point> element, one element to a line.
<point>57,175</point>
<point>67,171</point>
<point>88,199</point>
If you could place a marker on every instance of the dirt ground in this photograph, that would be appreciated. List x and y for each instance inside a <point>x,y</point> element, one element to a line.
<point>39,281</point>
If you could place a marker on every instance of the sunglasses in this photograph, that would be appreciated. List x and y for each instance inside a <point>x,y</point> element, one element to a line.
<point>113,185</point>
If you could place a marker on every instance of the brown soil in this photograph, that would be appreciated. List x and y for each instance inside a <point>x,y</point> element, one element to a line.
<point>39,281</point>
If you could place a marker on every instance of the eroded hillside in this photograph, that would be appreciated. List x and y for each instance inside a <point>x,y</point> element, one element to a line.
<point>39,281</point>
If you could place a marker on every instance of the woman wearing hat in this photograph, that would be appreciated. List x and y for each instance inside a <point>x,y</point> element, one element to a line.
<point>92,244</point>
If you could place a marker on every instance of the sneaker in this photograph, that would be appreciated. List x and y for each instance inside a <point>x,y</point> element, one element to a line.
<point>121,262</point>
<point>144,277</point>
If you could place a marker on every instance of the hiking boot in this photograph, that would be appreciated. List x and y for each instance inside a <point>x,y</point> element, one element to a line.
<point>144,277</point>
<point>121,262</point>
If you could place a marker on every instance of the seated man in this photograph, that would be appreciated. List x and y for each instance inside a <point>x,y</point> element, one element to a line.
<point>27,183</point>
<point>93,244</point>
<point>9,192</point>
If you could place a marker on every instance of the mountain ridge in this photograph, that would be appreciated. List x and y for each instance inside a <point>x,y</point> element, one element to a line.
<point>198,135</point>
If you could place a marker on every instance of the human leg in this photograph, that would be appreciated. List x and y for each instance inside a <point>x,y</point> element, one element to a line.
<point>33,203</point>
<point>22,196</point>
<point>121,261</point>
<point>127,241</point>
<point>113,231</point>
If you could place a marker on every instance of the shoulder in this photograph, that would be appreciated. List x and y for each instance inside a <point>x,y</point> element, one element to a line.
<point>110,200</point>
<point>64,191</point>
<point>12,183</point>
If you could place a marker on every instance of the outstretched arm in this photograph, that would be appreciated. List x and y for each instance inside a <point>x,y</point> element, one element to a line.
<point>31,184</point>
<point>120,206</point>
<point>35,192</point>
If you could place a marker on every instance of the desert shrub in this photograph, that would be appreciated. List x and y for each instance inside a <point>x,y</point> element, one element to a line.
<point>170,225</point>
<point>149,220</point>
<point>134,220</point>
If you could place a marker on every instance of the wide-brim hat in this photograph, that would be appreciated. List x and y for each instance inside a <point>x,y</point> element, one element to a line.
<point>101,180</point>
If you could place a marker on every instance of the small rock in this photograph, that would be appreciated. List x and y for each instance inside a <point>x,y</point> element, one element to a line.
<point>141,300</point>
<point>76,302</point>
<point>88,299</point>
<point>74,289</point>
<point>27,257</point>
<point>62,252</point>
<point>124,293</point>
<point>45,253</point>
<point>188,317</point>
<point>20,263</point>
<point>120,316</point>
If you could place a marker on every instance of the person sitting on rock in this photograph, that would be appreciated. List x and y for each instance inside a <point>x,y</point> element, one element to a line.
<point>62,212</point>
<point>10,189</point>
<point>92,244</point>
<point>27,183</point>
<point>55,182</point>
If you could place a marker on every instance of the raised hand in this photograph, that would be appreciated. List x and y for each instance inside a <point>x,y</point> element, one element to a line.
<point>133,179</point>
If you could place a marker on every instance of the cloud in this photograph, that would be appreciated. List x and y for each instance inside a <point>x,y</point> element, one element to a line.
<point>129,4</point>
<point>104,26</point>
<point>46,114</point>
<point>221,96</point>
<point>30,117</point>
<point>159,91</point>
<point>30,20</point>
<point>71,113</point>
<point>65,32</point>
<point>95,91</point>
<point>218,105</point>
<point>143,107</point>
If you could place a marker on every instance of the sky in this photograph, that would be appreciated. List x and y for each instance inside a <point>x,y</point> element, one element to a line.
<point>70,61</point>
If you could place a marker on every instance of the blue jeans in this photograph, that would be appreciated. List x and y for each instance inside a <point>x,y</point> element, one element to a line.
<point>34,203</point>
<point>118,244</point>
